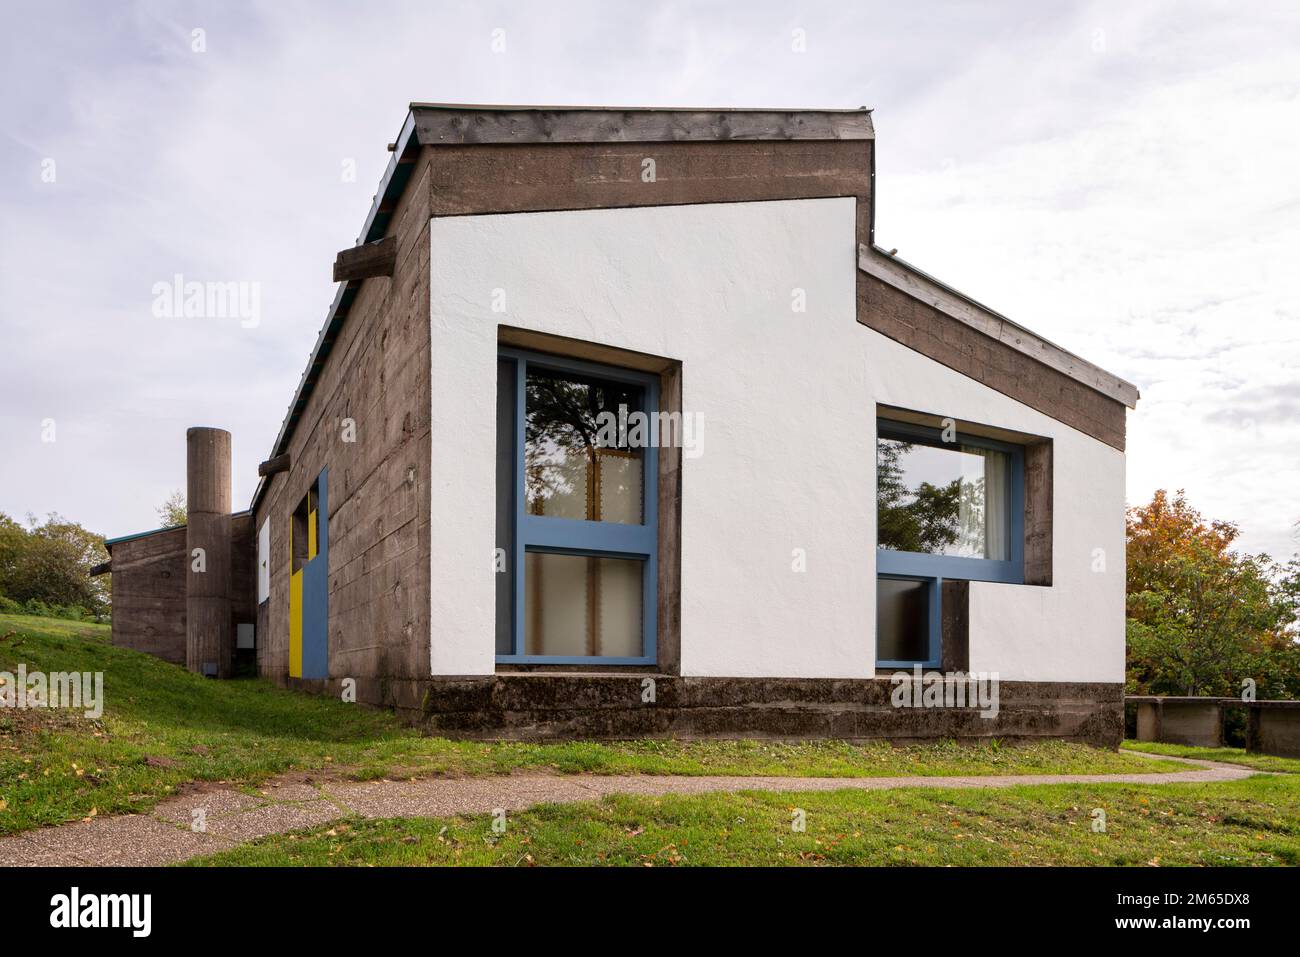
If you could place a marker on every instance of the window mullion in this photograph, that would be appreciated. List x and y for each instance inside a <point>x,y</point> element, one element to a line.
<point>521,372</point>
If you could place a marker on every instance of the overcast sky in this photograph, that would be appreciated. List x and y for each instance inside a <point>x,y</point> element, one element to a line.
<point>1122,178</point>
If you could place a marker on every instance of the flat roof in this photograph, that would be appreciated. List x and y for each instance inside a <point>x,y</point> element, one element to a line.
<point>109,542</point>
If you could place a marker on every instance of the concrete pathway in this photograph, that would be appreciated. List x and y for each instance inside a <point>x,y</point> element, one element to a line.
<point>207,822</point>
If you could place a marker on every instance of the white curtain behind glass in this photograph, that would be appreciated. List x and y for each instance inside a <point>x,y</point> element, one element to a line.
<point>982,513</point>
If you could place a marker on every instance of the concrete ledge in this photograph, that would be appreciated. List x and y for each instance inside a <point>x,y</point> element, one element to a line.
<point>1273,727</point>
<point>1197,722</point>
<point>551,706</point>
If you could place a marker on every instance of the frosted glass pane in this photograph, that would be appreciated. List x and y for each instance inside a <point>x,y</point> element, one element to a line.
<point>620,486</point>
<point>576,605</point>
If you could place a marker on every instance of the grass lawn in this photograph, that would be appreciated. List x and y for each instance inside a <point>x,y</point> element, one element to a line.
<point>1250,822</point>
<point>1261,762</point>
<point>164,728</point>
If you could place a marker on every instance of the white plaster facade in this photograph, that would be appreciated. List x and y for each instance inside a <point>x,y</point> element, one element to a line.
<point>788,404</point>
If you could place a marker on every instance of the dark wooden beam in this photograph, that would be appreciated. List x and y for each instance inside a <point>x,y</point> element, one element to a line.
<point>277,463</point>
<point>446,126</point>
<point>371,259</point>
<point>103,568</point>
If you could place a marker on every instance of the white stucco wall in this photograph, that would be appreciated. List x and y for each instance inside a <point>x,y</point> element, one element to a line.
<point>788,404</point>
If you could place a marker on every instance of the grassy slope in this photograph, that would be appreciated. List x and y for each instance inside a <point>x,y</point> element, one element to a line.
<point>163,727</point>
<point>1250,822</point>
<point>1261,762</point>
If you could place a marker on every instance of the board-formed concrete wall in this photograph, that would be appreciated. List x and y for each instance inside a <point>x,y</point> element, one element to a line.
<point>149,593</point>
<point>788,404</point>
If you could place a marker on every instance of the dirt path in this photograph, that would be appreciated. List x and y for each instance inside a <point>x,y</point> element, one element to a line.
<point>204,823</point>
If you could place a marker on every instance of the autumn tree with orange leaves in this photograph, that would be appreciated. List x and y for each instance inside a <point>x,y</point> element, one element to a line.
<point>1203,617</point>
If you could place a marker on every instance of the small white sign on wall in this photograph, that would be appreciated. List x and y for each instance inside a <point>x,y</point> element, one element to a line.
<point>264,562</point>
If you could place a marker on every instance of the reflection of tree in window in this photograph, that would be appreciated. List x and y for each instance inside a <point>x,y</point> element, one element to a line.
<point>921,510</point>
<point>923,519</point>
<point>571,469</point>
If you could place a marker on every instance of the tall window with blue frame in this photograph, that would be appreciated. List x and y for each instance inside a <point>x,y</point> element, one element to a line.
<point>949,506</point>
<point>577,516</point>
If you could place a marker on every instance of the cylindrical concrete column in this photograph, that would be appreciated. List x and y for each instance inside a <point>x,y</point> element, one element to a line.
<point>208,646</point>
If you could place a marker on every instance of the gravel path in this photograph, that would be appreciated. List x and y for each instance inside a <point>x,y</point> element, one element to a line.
<point>207,822</point>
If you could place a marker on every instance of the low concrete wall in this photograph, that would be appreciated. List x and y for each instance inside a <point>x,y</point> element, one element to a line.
<point>569,706</point>
<point>1273,727</point>
<point>1197,722</point>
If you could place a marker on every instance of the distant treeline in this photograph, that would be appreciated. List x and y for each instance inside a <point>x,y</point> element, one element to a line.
<point>45,569</point>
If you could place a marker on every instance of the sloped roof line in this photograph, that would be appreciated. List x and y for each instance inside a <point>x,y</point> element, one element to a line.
<point>902,275</point>
<point>838,124</point>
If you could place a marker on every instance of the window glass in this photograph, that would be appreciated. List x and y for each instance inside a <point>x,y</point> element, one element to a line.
<point>943,500</point>
<point>583,447</point>
<point>579,605</point>
<point>902,620</point>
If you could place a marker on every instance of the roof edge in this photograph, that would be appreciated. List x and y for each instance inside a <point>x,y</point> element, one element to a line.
<point>878,263</point>
<point>449,124</point>
<point>165,528</point>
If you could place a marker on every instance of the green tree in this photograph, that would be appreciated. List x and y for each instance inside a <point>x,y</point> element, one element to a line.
<point>50,561</point>
<point>1203,617</point>
<point>926,519</point>
<point>172,513</point>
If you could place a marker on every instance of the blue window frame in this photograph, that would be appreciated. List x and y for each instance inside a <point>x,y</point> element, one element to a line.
<point>948,506</point>
<point>904,625</point>
<point>563,496</point>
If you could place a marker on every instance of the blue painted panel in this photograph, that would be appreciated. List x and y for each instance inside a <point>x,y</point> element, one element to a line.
<point>921,565</point>
<point>541,533</point>
<point>315,593</point>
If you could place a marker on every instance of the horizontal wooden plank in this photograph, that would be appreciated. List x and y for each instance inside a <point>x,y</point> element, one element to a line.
<point>507,179</point>
<point>441,126</point>
<point>916,284</point>
<point>367,260</point>
<point>276,463</point>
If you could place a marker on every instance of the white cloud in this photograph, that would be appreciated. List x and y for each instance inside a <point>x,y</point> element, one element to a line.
<point>1118,177</point>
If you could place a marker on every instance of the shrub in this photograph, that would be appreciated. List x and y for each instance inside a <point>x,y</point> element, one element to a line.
<point>9,607</point>
<point>34,606</point>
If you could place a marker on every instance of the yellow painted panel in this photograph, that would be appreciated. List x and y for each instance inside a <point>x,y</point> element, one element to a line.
<point>311,535</point>
<point>295,624</point>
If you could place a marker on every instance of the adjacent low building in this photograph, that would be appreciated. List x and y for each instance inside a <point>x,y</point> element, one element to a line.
<point>620,423</point>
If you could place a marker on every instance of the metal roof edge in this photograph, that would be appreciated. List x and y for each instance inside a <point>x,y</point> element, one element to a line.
<point>391,186</point>
<point>164,528</point>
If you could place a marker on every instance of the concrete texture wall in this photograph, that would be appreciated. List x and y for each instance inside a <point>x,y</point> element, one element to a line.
<point>149,594</point>
<point>788,403</point>
<point>377,376</point>
<point>149,600</point>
